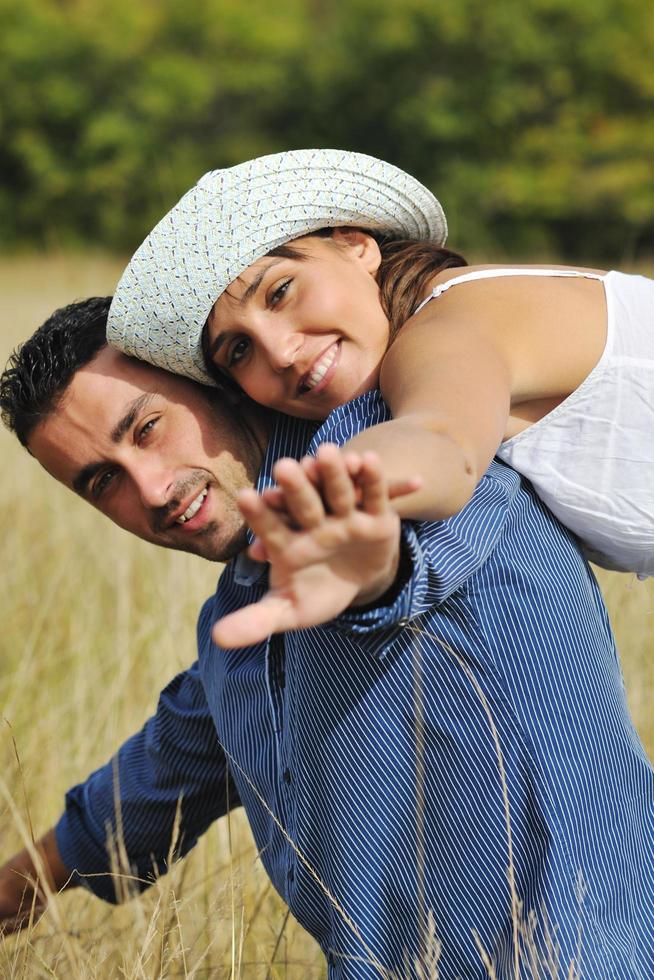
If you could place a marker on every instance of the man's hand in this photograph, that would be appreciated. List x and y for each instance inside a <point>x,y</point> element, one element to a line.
<point>23,896</point>
<point>333,542</point>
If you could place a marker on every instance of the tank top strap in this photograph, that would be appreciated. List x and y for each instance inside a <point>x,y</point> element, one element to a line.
<point>499,273</point>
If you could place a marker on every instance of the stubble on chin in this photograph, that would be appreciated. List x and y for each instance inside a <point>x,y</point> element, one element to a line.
<point>218,545</point>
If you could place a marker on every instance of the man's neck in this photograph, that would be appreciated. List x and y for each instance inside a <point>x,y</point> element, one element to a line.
<point>257,424</point>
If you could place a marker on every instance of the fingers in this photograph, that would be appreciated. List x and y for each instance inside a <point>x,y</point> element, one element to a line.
<point>373,485</point>
<point>338,490</point>
<point>302,499</point>
<point>254,623</point>
<point>402,488</point>
<point>274,498</point>
<point>332,483</point>
<point>309,465</point>
<point>270,527</point>
<point>333,474</point>
<point>315,485</point>
<point>348,479</point>
<point>258,551</point>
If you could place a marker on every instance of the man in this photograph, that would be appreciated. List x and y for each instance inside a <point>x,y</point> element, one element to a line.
<point>478,766</point>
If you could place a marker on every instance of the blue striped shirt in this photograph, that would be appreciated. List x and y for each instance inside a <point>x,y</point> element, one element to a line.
<point>433,765</point>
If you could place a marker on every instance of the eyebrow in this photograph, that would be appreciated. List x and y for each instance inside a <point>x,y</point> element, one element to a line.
<point>216,344</point>
<point>123,425</point>
<point>256,282</point>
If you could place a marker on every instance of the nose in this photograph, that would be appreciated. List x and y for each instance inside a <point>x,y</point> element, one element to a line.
<point>152,481</point>
<point>281,347</point>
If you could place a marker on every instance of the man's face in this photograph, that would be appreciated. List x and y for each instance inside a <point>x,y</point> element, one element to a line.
<point>152,452</point>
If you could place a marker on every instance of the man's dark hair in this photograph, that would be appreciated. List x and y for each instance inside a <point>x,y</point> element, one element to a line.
<point>39,371</point>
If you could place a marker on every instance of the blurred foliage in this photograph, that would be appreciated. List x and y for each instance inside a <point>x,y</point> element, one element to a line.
<point>532,120</point>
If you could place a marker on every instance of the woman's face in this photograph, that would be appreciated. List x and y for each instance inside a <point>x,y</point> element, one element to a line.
<point>304,335</point>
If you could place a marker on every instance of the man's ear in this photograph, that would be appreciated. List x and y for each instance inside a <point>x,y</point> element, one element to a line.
<point>363,246</point>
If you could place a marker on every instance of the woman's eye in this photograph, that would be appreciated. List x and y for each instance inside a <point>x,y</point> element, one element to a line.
<point>237,352</point>
<point>279,293</point>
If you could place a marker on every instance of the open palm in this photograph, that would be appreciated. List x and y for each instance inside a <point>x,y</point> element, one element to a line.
<point>335,543</point>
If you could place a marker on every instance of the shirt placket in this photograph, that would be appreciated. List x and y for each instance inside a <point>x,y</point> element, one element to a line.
<point>276,691</point>
<point>285,787</point>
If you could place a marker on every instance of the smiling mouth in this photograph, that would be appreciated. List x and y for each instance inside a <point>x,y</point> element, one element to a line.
<point>319,369</point>
<point>193,507</point>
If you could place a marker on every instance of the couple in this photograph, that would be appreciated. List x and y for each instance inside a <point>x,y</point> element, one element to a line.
<point>466,668</point>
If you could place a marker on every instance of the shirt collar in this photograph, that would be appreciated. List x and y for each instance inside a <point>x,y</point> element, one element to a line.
<point>294,437</point>
<point>359,413</point>
<point>288,437</point>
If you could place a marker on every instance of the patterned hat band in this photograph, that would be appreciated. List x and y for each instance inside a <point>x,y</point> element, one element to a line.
<point>235,216</point>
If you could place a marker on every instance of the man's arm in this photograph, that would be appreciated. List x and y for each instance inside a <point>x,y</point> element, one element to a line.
<point>27,879</point>
<point>161,791</point>
<point>150,803</point>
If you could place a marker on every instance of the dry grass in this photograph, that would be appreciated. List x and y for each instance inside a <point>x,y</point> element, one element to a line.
<point>89,636</point>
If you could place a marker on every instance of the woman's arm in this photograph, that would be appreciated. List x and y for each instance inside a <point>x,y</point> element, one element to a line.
<point>448,383</point>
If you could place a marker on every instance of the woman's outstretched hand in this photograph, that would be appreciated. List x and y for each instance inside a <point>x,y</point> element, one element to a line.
<point>332,540</point>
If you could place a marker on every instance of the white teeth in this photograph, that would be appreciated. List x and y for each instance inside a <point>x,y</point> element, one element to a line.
<point>321,369</point>
<point>192,508</point>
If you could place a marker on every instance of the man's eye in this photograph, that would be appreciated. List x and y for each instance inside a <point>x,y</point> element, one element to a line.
<point>237,352</point>
<point>102,483</point>
<point>280,293</point>
<point>145,430</point>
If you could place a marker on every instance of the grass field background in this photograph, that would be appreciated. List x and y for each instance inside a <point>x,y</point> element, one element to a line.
<point>92,625</point>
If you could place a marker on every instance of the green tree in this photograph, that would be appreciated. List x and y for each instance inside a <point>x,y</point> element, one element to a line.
<point>532,121</point>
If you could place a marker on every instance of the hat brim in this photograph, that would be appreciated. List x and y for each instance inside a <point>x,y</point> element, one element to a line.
<point>235,216</point>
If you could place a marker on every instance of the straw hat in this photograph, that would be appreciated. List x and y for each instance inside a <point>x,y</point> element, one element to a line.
<point>235,216</point>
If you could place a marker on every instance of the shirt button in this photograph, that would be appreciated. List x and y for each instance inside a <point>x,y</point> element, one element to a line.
<point>287,776</point>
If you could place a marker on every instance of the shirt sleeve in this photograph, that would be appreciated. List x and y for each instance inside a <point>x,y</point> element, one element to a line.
<point>444,555</point>
<point>151,802</point>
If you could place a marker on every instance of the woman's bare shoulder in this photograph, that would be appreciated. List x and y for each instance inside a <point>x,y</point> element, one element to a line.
<point>546,333</point>
<point>504,268</point>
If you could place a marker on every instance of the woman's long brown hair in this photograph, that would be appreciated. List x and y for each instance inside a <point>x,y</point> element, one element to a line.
<point>404,275</point>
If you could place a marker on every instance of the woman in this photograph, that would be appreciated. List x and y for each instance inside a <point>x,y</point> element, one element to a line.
<point>550,368</point>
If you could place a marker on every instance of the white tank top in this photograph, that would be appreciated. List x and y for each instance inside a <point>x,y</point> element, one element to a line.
<point>591,459</point>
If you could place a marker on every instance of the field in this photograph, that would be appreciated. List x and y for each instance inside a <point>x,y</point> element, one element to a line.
<point>93,625</point>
